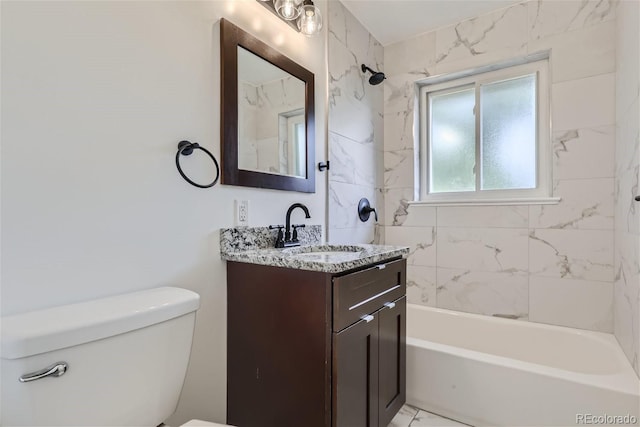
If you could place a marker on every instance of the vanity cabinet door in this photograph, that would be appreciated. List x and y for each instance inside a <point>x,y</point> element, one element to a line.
<point>355,375</point>
<point>392,359</point>
<point>363,292</point>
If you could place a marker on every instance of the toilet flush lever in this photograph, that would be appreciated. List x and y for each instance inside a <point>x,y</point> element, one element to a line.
<point>56,370</point>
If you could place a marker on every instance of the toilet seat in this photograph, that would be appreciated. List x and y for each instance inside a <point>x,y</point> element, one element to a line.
<point>200,423</point>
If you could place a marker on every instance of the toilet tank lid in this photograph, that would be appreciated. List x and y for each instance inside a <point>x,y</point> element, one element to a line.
<point>64,326</point>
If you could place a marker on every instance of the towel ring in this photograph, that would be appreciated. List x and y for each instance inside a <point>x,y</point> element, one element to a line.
<point>186,148</point>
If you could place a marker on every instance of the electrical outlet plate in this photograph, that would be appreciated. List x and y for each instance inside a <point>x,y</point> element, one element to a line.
<point>242,213</point>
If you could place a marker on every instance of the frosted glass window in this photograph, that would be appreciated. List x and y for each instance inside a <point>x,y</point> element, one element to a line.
<point>484,135</point>
<point>453,143</point>
<point>509,134</point>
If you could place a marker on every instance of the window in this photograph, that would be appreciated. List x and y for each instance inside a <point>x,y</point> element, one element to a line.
<point>484,136</point>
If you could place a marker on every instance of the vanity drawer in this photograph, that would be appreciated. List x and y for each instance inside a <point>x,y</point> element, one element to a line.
<point>361,293</point>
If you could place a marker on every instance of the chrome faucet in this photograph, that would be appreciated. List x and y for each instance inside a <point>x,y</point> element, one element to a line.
<point>289,238</point>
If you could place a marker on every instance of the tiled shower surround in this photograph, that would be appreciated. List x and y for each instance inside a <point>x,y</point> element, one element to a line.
<point>355,128</point>
<point>627,211</point>
<point>544,263</point>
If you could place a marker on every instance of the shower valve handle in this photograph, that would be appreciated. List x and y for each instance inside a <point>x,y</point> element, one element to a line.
<point>365,209</point>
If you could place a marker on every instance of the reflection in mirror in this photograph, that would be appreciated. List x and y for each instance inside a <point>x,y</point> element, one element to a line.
<point>267,115</point>
<point>271,125</point>
<point>292,143</point>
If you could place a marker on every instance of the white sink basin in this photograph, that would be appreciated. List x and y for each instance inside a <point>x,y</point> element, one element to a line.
<point>324,248</point>
<point>327,256</point>
<point>326,253</point>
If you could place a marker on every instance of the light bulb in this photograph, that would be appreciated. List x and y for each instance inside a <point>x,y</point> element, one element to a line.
<point>288,9</point>
<point>310,22</point>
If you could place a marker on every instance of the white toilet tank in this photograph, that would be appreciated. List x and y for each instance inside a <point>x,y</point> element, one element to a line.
<point>126,360</point>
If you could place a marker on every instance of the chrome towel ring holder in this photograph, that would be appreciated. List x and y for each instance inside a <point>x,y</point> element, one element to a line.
<point>186,148</point>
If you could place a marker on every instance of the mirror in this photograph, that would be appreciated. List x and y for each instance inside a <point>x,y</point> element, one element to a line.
<point>271,136</point>
<point>267,115</point>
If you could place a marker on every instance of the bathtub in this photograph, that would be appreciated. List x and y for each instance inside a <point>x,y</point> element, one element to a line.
<point>488,371</point>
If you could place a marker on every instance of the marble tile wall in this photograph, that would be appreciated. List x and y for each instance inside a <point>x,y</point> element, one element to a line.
<point>355,129</point>
<point>545,263</point>
<point>627,161</point>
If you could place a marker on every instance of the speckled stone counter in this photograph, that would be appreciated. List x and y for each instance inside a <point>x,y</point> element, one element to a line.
<point>256,246</point>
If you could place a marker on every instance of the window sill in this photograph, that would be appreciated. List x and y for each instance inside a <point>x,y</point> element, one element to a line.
<point>489,202</point>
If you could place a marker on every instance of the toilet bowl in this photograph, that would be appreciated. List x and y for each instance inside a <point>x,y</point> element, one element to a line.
<point>89,363</point>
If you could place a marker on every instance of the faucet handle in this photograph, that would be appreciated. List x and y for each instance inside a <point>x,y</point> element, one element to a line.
<point>294,237</point>
<point>280,236</point>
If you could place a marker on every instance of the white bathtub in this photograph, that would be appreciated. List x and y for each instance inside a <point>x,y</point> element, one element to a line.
<point>487,371</point>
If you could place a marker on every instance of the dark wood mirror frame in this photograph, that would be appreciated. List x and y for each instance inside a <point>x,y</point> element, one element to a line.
<point>230,38</point>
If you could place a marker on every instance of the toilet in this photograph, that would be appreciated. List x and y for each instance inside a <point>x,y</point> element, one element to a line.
<point>116,361</point>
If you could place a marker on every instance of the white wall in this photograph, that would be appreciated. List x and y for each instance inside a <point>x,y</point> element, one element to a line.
<point>95,97</point>
<point>551,264</point>
<point>627,212</point>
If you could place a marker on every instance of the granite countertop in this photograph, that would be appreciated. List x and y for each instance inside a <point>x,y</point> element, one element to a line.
<point>255,246</point>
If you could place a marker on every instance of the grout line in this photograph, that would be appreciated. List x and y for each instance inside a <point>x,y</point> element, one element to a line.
<point>437,232</point>
<point>529,229</point>
<point>414,417</point>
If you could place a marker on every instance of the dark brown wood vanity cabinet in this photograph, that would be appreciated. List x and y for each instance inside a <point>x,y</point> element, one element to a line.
<point>308,349</point>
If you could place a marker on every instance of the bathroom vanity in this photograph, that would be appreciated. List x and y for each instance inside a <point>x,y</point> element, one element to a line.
<point>316,335</point>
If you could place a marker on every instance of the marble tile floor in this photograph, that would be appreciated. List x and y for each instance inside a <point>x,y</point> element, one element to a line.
<point>408,416</point>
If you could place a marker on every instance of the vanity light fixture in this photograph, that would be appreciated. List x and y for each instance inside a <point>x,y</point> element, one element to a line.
<point>301,15</point>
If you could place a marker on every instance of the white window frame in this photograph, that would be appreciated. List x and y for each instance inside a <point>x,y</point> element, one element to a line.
<point>542,194</point>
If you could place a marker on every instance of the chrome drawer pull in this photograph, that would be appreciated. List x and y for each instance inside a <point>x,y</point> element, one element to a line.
<point>56,370</point>
<point>373,297</point>
<point>389,304</point>
<point>368,318</point>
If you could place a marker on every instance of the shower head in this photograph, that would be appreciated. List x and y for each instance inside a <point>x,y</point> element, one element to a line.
<point>376,76</point>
